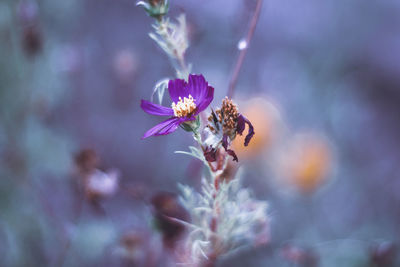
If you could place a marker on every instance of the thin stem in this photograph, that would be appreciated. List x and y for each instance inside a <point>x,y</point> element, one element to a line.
<point>197,137</point>
<point>184,67</point>
<point>177,60</point>
<point>243,51</point>
<point>78,206</point>
<point>214,222</point>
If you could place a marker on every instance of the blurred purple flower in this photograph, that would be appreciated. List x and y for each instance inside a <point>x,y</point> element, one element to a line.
<point>189,99</point>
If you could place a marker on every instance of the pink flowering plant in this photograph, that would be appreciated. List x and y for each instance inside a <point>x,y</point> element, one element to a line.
<point>223,215</point>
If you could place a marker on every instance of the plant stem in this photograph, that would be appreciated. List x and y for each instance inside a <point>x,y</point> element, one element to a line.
<point>243,51</point>
<point>184,67</point>
<point>197,137</point>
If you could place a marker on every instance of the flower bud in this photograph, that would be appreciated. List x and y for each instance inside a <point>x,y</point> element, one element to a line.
<point>155,8</point>
<point>191,126</point>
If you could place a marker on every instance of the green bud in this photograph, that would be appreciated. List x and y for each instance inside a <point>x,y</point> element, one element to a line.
<point>155,8</point>
<point>191,126</point>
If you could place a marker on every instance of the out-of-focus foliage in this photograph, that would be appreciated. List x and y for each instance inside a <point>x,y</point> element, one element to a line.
<point>242,220</point>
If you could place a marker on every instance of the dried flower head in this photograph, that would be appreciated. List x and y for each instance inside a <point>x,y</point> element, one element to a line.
<point>225,123</point>
<point>227,116</point>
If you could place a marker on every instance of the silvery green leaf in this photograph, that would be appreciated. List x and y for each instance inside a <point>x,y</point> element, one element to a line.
<point>241,218</point>
<point>189,225</point>
<point>185,153</point>
<point>160,90</point>
<point>197,248</point>
<point>194,152</point>
<point>171,37</point>
<point>143,4</point>
<point>202,209</point>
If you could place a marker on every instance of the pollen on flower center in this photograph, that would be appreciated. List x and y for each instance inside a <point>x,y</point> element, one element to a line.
<point>184,107</point>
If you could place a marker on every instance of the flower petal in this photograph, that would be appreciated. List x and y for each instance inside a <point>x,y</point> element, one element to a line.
<point>197,87</point>
<point>229,151</point>
<point>201,92</point>
<point>171,127</point>
<point>240,128</point>
<point>176,89</point>
<point>155,109</point>
<point>241,124</point>
<point>163,128</point>
<point>206,100</point>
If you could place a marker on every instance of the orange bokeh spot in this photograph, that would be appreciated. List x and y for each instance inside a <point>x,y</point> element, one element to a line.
<point>307,162</point>
<point>262,115</point>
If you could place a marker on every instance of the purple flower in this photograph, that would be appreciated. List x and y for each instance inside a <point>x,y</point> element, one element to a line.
<point>189,99</point>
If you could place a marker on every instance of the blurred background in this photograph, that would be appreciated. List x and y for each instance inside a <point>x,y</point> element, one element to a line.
<point>321,84</point>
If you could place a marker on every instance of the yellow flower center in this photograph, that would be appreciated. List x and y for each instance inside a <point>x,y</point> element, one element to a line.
<point>184,107</point>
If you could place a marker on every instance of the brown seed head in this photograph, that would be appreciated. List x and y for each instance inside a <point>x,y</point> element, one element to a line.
<point>227,115</point>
